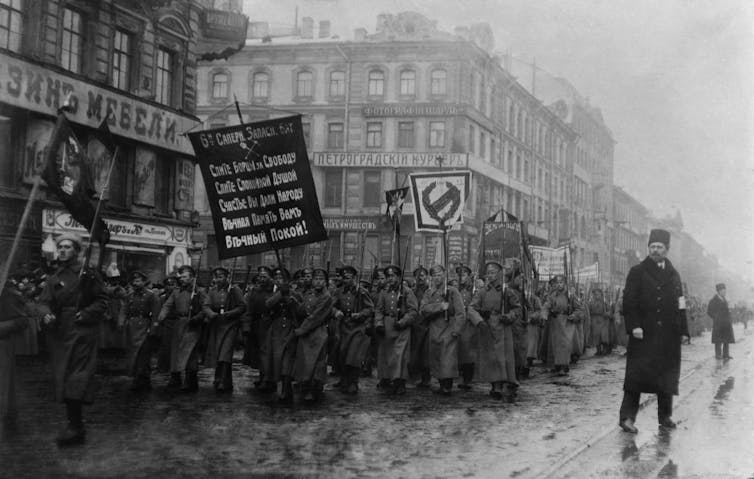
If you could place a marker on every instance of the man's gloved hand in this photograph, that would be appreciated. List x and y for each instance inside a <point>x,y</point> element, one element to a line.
<point>638,333</point>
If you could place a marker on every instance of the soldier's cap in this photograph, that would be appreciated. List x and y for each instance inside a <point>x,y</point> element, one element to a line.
<point>419,269</point>
<point>462,268</point>
<point>323,271</point>
<point>282,272</point>
<point>396,270</point>
<point>224,270</point>
<point>719,286</point>
<point>72,237</point>
<point>139,274</point>
<point>659,236</point>
<point>493,263</point>
<point>338,270</point>
<point>187,267</point>
<point>307,270</point>
<point>298,273</point>
<point>264,268</point>
<point>438,268</point>
<point>112,271</point>
<point>350,268</point>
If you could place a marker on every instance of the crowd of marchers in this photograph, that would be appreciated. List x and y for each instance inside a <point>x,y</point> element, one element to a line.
<point>298,329</point>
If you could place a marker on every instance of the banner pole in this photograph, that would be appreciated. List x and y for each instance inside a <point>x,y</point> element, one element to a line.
<point>19,232</point>
<point>445,261</point>
<point>88,251</point>
<point>238,109</point>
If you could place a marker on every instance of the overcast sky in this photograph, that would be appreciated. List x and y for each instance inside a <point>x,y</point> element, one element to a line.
<point>674,80</point>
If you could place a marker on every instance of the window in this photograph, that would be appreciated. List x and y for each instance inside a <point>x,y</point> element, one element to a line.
<point>374,134</point>
<point>408,83</point>
<point>306,127</point>
<point>526,171</point>
<point>436,134</point>
<point>406,135</point>
<point>510,162</point>
<point>11,21</point>
<point>438,84</point>
<point>472,139</point>
<point>304,82</point>
<point>519,166</point>
<point>335,135</point>
<point>333,187</point>
<point>72,41</point>
<point>162,185</point>
<point>372,188</point>
<point>337,83</point>
<point>472,88</point>
<point>260,86</point>
<point>482,145</point>
<point>376,84</point>
<point>163,81</point>
<point>121,60</point>
<point>220,85</point>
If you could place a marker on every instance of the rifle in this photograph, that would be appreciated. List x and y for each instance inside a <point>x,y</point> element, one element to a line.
<point>400,285</point>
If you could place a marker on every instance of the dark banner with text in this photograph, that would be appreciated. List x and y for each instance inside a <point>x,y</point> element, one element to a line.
<point>260,187</point>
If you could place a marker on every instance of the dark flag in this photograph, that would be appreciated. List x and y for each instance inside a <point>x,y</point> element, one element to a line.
<point>105,137</point>
<point>68,175</point>
<point>395,199</point>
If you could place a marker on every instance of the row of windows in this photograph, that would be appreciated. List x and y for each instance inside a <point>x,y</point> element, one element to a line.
<point>375,137</point>
<point>304,84</point>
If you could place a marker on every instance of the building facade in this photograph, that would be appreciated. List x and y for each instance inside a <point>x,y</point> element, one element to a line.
<point>132,63</point>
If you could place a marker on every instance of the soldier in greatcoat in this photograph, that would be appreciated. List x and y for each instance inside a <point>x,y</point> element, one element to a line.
<point>468,340</point>
<point>353,309</point>
<point>310,366</point>
<point>334,332</point>
<point>655,317</point>
<point>722,327</point>
<point>599,315</point>
<point>494,309</point>
<point>223,307</point>
<point>185,304</point>
<point>13,320</point>
<point>535,328</point>
<point>166,329</point>
<point>419,362</point>
<point>255,323</point>
<point>513,277</point>
<point>442,309</point>
<point>283,307</point>
<point>72,303</point>
<point>563,311</point>
<point>395,311</point>
<point>139,312</point>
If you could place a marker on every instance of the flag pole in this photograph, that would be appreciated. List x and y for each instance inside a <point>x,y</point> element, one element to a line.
<point>19,232</point>
<point>105,188</point>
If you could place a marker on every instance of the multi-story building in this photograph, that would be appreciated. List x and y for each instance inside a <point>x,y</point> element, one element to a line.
<point>627,235</point>
<point>407,98</point>
<point>133,63</point>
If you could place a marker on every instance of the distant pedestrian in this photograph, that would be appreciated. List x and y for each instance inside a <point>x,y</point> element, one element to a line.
<point>13,320</point>
<point>722,327</point>
<point>655,317</point>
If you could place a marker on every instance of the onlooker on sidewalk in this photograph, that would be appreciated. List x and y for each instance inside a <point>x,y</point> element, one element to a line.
<point>722,328</point>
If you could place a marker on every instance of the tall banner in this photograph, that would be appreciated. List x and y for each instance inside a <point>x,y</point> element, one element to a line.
<point>500,240</point>
<point>549,261</point>
<point>439,198</point>
<point>259,185</point>
<point>588,274</point>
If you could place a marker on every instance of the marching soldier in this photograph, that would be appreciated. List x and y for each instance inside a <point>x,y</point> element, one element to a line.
<point>419,364</point>
<point>563,311</point>
<point>305,280</point>
<point>223,307</point>
<point>535,329</point>
<point>375,288</point>
<point>279,345</point>
<point>442,307</point>
<point>395,311</point>
<point>514,279</point>
<point>72,303</point>
<point>310,366</point>
<point>467,342</point>
<point>139,312</point>
<point>255,324</point>
<point>166,328</point>
<point>599,314</point>
<point>333,331</point>
<point>186,305</point>
<point>353,310</point>
<point>496,308</point>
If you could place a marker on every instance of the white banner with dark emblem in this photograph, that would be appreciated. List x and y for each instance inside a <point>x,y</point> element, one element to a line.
<point>439,198</point>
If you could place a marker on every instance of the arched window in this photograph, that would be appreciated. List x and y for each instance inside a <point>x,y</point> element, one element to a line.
<point>304,84</point>
<point>337,83</point>
<point>376,83</point>
<point>408,82</point>
<point>439,82</point>
<point>220,85</point>
<point>260,88</point>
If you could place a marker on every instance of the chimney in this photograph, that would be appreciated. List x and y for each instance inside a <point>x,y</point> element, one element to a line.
<point>360,34</point>
<point>324,29</point>
<point>307,27</point>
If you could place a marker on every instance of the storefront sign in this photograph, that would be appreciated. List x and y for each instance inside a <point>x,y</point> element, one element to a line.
<point>259,185</point>
<point>412,109</point>
<point>184,185</point>
<point>58,221</point>
<point>222,25</point>
<point>425,160</point>
<point>144,179</point>
<point>33,87</point>
<point>350,223</point>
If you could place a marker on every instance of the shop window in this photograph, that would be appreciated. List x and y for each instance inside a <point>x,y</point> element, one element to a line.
<point>376,83</point>
<point>72,41</point>
<point>374,134</point>
<point>335,135</point>
<point>163,81</point>
<point>408,83</point>
<point>11,24</point>
<point>333,187</point>
<point>436,134</point>
<point>260,88</point>
<point>118,191</point>
<point>439,82</point>
<point>304,84</point>
<point>406,134</point>
<point>372,188</point>
<point>220,85</point>
<point>121,60</point>
<point>337,84</point>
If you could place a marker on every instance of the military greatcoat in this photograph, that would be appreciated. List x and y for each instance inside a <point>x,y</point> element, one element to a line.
<point>722,328</point>
<point>444,330</point>
<point>279,344</point>
<point>563,313</point>
<point>357,308</point>
<point>468,341</point>
<point>311,346</point>
<point>140,309</point>
<point>187,332</point>
<point>600,320</point>
<point>396,319</point>
<point>223,309</point>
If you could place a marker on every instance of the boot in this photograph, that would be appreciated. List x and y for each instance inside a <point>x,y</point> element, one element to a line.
<point>74,432</point>
<point>286,392</point>
<point>399,387</point>
<point>467,375</point>
<point>218,377</point>
<point>446,386</point>
<point>307,392</point>
<point>191,384</point>
<point>425,381</point>
<point>353,381</point>
<point>225,379</point>
<point>175,381</point>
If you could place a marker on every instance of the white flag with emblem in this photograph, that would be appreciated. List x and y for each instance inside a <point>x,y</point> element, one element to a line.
<point>439,198</point>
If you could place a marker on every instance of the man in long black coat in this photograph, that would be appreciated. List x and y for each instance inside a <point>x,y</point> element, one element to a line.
<point>655,316</point>
<point>722,328</point>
